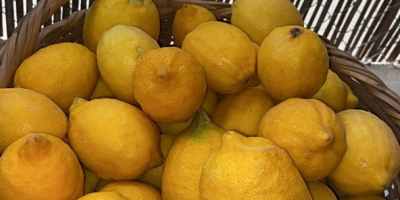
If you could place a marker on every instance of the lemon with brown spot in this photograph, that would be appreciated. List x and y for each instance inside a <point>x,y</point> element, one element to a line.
<point>257,18</point>
<point>24,111</point>
<point>292,62</point>
<point>40,166</point>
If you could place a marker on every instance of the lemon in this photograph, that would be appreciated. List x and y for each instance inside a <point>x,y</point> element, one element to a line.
<point>254,80</point>
<point>185,159</point>
<point>295,56</point>
<point>132,190</point>
<point>113,139</point>
<point>24,111</point>
<point>174,128</point>
<point>103,14</point>
<point>210,102</point>
<point>310,132</point>
<point>60,71</point>
<point>101,90</point>
<point>372,160</point>
<point>352,100</point>
<point>226,54</point>
<point>169,84</point>
<point>250,168</point>
<point>91,181</point>
<point>153,176</point>
<point>119,51</point>
<point>103,196</point>
<point>257,18</point>
<point>40,166</point>
<point>333,92</point>
<point>186,19</point>
<point>242,112</point>
<point>374,197</point>
<point>320,191</point>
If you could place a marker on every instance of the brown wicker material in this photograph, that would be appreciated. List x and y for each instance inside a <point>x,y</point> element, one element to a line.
<point>28,37</point>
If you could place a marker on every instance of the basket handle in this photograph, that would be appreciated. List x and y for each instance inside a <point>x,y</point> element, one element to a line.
<point>22,43</point>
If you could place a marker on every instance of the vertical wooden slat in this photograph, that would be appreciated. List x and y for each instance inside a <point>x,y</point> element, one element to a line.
<point>390,39</point>
<point>333,18</point>
<point>1,19</point>
<point>368,37</point>
<point>66,10</point>
<point>83,4</point>
<point>347,22</point>
<point>75,5</point>
<point>322,16</point>
<point>396,51</point>
<point>383,27</point>
<point>314,14</point>
<point>364,26</point>
<point>9,17</point>
<point>356,28</point>
<point>19,9</point>
<point>297,4</point>
<point>305,8</point>
<point>340,20</point>
<point>91,2</point>
<point>29,5</point>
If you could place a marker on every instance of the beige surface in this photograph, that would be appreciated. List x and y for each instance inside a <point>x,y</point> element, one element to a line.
<point>388,74</point>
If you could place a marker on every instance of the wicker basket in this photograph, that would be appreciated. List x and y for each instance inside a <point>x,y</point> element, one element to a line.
<point>29,36</point>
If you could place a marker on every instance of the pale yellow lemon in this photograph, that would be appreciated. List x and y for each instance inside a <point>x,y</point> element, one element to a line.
<point>372,160</point>
<point>118,53</point>
<point>104,14</point>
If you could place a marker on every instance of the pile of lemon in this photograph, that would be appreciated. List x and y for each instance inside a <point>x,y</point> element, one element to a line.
<point>243,110</point>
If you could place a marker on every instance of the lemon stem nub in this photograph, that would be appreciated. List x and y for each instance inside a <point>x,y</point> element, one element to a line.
<point>295,32</point>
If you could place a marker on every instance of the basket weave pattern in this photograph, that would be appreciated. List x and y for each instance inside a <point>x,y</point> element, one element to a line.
<point>29,37</point>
